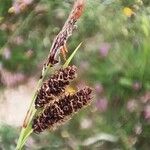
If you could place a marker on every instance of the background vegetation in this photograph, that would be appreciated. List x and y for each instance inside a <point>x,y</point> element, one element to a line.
<point>114,60</point>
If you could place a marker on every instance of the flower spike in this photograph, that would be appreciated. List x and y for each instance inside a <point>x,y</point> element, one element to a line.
<point>55,86</point>
<point>61,110</point>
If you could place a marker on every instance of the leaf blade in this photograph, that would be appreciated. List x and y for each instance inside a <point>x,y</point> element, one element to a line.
<point>71,56</point>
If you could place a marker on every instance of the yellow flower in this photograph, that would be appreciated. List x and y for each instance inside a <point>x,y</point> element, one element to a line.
<point>70,90</point>
<point>128,11</point>
<point>11,10</point>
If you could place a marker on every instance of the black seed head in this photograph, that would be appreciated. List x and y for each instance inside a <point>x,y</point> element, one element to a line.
<point>55,86</point>
<point>56,113</point>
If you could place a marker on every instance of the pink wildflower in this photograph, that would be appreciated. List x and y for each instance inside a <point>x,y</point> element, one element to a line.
<point>104,49</point>
<point>102,104</point>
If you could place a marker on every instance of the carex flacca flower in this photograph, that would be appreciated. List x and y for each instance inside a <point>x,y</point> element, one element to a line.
<point>61,110</point>
<point>59,43</point>
<point>55,86</point>
<point>56,104</point>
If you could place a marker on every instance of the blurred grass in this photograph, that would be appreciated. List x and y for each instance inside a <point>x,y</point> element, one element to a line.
<point>115,54</point>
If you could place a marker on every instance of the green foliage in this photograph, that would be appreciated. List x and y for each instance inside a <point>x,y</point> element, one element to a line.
<point>115,54</point>
<point>8,136</point>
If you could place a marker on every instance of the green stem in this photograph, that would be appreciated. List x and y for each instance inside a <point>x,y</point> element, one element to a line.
<point>20,138</point>
<point>25,138</point>
<point>26,128</point>
<point>25,132</point>
<point>71,56</point>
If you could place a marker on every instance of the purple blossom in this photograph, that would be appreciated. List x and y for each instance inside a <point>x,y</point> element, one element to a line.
<point>102,104</point>
<point>104,49</point>
<point>16,7</point>
<point>98,88</point>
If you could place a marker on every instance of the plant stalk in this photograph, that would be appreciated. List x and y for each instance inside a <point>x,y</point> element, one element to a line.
<point>26,128</point>
<point>30,113</point>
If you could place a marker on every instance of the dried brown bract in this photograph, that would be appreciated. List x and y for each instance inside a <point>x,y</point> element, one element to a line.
<point>60,41</point>
<point>55,86</point>
<point>61,110</point>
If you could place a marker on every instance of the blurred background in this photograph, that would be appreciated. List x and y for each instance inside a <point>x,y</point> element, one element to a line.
<point>114,59</point>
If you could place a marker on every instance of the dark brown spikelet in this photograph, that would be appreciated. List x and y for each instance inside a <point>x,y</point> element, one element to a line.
<point>61,110</point>
<point>55,86</point>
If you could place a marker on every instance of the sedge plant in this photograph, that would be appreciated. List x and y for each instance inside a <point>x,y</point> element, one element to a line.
<point>74,101</point>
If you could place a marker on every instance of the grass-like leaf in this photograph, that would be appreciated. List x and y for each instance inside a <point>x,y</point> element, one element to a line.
<point>71,56</point>
<point>25,133</point>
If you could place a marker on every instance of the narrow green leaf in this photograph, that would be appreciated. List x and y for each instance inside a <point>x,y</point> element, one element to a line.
<point>71,56</point>
<point>20,139</point>
<point>26,132</point>
<point>26,136</point>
